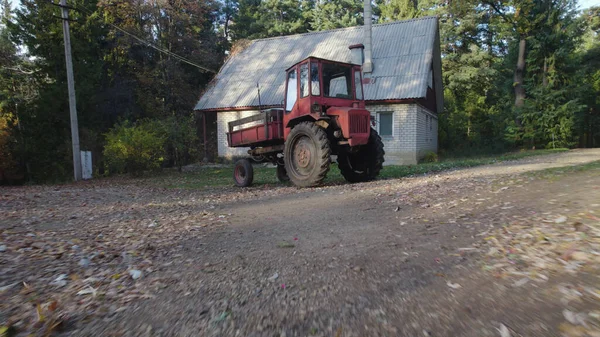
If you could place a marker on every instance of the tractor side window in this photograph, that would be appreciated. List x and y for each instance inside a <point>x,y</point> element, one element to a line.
<point>292,91</point>
<point>337,81</point>
<point>314,79</point>
<point>358,85</point>
<point>304,80</point>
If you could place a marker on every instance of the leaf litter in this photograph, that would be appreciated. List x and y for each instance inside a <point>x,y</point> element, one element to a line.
<point>64,261</point>
<point>540,248</point>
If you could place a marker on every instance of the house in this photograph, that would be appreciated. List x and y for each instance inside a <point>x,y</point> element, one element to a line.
<point>403,91</point>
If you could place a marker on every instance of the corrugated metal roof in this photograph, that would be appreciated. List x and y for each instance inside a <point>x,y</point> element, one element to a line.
<point>402,55</point>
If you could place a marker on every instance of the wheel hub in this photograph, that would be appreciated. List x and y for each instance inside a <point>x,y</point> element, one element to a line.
<point>302,154</point>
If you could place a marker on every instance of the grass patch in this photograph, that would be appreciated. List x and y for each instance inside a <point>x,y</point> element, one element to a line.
<point>207,178</point>
<point>559,171</point>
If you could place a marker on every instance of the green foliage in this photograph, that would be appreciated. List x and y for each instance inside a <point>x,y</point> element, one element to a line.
<point>133,148</point>
<point>259,19</point>
<point>180,139</point>
<point>430,157</point>
<point>394,10</point>
<point>331,14</point>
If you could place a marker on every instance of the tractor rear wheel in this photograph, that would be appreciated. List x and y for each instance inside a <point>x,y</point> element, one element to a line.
<point>243,173</point>
<point>307,155</point>
<point>364,164</point>
<point>282,175</point>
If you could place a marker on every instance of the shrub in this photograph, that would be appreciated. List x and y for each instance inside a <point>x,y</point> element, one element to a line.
<point>180,137</point>
<point>133,148</point>
<point>430,157</point>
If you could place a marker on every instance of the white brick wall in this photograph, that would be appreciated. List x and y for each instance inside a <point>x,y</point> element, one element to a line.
<point>414,133</point>
<point>400,148</point>
<point>427,127</point>
<point>222,127</point>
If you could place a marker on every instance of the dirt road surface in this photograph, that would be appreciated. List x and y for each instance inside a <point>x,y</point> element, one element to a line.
<point>416,256</point>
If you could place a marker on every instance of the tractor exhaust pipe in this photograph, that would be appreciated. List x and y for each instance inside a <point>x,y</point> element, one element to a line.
<point>368,16</point>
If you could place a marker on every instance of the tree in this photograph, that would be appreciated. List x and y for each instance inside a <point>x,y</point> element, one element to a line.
<point>394,10</point>
<point>331,14</point>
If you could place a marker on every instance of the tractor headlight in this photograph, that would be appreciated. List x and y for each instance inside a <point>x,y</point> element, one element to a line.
<point>315,107</point>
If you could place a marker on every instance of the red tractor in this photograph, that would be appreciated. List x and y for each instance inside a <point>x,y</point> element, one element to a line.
<point>324,114</point>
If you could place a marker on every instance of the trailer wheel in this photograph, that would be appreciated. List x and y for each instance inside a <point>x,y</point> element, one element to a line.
<point>307,154</point>
<point>243,173</point>
<point>282,175</point>
<point>366,163</point>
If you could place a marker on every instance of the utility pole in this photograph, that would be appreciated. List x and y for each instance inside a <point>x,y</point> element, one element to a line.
<point>71,85</point>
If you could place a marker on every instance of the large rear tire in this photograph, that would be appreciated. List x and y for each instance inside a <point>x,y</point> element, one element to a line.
<point>307,155</point>
<point>243,173</point>
<point>364,164</point>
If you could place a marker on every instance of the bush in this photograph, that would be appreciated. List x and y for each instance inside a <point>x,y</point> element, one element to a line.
<point>133,148</point>
<point>430,157</point>
<point>180,137</point>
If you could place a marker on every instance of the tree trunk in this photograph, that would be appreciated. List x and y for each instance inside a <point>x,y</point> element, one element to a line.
<point>520,75</point>
<point>545,74</point>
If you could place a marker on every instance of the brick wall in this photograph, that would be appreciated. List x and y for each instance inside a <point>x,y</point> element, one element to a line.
<point>400,147</point>
<point>414,133</point>
<point>222,119</point>
<point>427,130</point>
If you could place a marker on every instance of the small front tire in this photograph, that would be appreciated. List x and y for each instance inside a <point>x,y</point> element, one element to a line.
<point>243,173</point>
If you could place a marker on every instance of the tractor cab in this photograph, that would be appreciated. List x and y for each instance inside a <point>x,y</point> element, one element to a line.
<point>313,85</point>
<point>323,114</point>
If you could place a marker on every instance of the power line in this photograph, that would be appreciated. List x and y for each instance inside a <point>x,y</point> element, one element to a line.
<point>143,41</point>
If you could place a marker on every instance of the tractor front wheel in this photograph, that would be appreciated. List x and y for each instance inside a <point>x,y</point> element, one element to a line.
<point>364,164</point>
<point>243,173</point>
<point>307,155</point>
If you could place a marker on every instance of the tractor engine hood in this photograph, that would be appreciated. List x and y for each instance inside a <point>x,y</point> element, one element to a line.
<point>354,122</point>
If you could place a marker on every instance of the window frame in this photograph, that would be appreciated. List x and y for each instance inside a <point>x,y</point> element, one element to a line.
<point>358,85</point>
<point>287,83</point>
<point>348,82</point>
<point>310,73</point>
<point>379,113</point>
<point>307,80</point>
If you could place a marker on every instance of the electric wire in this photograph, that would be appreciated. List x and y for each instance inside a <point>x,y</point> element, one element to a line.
<point>143,41</point>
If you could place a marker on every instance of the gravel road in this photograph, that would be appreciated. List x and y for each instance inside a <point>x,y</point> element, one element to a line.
<point>388,258</point>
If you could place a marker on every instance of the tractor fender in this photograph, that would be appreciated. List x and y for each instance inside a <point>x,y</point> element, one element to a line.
<point>295,121</point>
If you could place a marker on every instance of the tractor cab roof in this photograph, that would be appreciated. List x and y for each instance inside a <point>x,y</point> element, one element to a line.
<point>321,59</point>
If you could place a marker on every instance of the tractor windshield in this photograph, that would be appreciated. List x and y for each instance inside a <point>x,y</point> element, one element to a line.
<point>337,81</point>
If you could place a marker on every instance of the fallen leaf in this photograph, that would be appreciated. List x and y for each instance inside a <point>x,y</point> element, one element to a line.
<point>86,291</point>
<point>135,274</point>
<point>453,285</point>
<point>560,219</point>
<point>503,330</point>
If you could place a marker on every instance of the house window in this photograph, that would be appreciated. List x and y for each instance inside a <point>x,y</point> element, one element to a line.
<point>385,123</point>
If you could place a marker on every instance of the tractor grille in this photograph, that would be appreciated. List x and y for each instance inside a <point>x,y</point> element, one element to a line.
<point>359,124</point>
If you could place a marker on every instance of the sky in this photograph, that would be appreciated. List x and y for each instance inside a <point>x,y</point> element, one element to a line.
<point>582,3</point>
<point>585,3</point>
